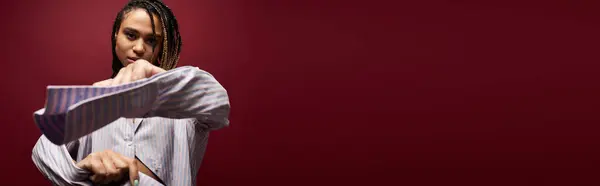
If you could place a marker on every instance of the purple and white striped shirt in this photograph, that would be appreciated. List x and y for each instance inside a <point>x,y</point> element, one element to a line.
<point>175,111</point>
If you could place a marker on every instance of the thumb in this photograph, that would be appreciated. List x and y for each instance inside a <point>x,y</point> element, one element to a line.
<point>81,164</point>
<point>153,70</point>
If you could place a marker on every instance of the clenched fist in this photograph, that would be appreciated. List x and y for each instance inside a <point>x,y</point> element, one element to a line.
<point>139,70</point>
<point>111,167</point>
<point>108,166</point>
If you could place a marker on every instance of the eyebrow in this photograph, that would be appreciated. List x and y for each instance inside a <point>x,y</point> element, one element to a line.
<point>129,29</point>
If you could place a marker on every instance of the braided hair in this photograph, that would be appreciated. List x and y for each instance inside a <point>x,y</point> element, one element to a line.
<point>171,41</point>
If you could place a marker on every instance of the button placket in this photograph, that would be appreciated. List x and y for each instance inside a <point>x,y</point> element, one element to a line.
<point>129,137</point>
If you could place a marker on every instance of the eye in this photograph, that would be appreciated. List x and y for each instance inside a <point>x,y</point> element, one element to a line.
<point>151,41</point>
<point>130,36</point>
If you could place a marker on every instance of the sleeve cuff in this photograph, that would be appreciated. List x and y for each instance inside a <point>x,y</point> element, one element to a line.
<point>73,171</point>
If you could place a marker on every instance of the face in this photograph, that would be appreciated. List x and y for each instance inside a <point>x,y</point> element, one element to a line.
<point>134,39</point>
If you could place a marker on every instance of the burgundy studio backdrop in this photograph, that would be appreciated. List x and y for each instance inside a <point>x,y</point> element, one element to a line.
<point>428,92</point>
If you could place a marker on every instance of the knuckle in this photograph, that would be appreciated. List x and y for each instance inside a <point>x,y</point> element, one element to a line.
<point>121,165</point>
<point>101,171</point>
<point>112,172</point>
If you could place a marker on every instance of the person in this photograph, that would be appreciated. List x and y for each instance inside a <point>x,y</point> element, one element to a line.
<point>161,150</point>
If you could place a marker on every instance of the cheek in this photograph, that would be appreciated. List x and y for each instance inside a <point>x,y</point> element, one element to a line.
<point>156,52</point>
<point>120,48</point>
<point>152,54</point>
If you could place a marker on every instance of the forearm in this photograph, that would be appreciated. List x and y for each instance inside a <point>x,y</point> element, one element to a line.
<point>55,163</point>
<point>193,94</point>
<point>186,92</point>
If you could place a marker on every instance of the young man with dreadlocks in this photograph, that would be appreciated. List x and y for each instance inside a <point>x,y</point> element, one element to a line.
<point>149,149</point>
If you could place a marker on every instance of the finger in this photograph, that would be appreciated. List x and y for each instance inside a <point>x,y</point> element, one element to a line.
<point>133,171</point>
<point>118,78</point>
<point>127,74</point>
<point>98,169</point>
<point>98,179</point>
<point>111,171</point>
<point>148,69</point>
<point>120,164</point>
<point>95,178</point>
<point>139,71</point>
<point>103,83</point>
<point>84,164</point>
<point>119,161</point>
<point>153,70</point>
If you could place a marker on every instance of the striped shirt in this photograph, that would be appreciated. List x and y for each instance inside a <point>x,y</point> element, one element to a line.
<point>174,112</point>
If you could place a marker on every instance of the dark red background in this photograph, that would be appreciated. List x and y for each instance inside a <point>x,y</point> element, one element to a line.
<point>427,92</point>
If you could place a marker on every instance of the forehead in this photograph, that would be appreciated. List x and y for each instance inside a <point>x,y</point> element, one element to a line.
<point>139,20</point>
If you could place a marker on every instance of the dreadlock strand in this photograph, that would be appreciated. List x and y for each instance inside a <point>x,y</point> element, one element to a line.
<point>165,33</point>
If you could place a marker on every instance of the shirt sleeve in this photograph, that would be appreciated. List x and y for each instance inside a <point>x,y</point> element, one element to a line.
<point>193,94</point>
<point>185,92</point>
<point>56,164</point>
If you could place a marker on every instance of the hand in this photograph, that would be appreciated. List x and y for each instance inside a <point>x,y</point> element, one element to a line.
<point>139,70</point>
<point>108,166</point>
<point>103,83</point>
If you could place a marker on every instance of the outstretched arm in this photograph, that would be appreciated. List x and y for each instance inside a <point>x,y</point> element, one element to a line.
<point>185,92</point>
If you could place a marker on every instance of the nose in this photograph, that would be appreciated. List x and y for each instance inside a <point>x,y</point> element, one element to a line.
<point>138,47</point>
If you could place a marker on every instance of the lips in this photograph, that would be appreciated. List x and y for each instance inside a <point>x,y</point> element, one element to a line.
<point>131,59</point>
